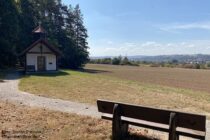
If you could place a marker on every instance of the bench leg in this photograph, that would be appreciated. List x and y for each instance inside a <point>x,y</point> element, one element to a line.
<point>177,137</point>
<point>172,127</point>
<point>119,130</point>
<point>124,130</point>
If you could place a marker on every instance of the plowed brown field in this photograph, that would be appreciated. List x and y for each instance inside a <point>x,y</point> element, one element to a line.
<point>174,77</point>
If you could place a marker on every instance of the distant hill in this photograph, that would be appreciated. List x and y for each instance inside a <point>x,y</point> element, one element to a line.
<point>166,58</point>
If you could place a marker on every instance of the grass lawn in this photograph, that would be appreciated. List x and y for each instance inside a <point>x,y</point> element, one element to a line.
<point>47,124</point>
<point>91,85</point>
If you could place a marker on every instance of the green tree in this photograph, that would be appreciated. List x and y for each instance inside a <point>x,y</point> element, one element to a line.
<point>208,64</point>
<point>74,42</point>
<point>9,32</point>
<point>197,66</point>
<point>80,37</point>
<point>116,61</point>
<point>125,61</point>
<point>106,61</point>
<point>27,22</point>
<point>64,26</point>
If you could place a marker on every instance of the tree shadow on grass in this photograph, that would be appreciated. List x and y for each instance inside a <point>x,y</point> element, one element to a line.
<point>9,75</point>
<point>93,71</point>
<point>139,137</point>
<point>49,74</point>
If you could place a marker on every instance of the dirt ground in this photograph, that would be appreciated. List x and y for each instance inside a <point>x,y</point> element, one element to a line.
<point>21,122</point>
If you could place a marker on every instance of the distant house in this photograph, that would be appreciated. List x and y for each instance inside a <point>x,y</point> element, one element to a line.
<point>41,55</point>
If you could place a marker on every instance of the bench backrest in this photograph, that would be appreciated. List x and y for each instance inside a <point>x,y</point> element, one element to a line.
<point>184,120</point>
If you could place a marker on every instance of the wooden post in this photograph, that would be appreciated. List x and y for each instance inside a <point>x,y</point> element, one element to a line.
<point>124,130</point>
<point>119,130</point>
<point>172,126</point>
<point>116,131</point>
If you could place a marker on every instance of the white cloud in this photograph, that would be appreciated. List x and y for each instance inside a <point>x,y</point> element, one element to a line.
<point>130,44</point>
<point>187,26</point>
<point>110,49</point>
<point>150,48</point>
<point>150,43</point>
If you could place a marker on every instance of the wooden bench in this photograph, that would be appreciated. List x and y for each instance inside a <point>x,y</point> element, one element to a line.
<point>174,122</point>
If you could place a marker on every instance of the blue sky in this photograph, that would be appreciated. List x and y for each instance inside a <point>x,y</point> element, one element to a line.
<point>146,27</point>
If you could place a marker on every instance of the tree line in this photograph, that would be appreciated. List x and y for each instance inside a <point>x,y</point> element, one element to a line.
<point>177,64</point>
<point>64,25</point>
<point>172,64</point>
<point>114,61</point>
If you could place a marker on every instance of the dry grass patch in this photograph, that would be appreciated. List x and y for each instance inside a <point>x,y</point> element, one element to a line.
<point>52,125</point>
<point>87,87</point>
<point>55,125</point>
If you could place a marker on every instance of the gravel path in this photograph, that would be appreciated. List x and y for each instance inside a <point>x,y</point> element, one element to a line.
<point>9,92</point>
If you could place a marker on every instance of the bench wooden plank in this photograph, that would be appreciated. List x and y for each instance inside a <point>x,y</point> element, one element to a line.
<point>140,123</point>
<point>159,127</point>
<point>184,120</point>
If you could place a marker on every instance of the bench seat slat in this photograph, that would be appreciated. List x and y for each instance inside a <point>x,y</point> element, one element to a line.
<point>159,127</point>
<point>140,123</point>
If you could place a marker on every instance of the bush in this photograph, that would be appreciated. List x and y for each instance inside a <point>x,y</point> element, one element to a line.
<point>106,61</point>
<point>116,61</point>
<point>133,63</point>
<point>202,66</point>
<point>208,65</point>
<point>125,61</point>
<point>189,66</point>
<point>197,66</point>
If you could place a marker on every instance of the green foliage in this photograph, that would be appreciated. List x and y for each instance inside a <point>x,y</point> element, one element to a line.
<point>176,64</point>
<point>106,61</point>
<point>208,64</point>
<point>171,64</point>
<point>64,26</point>
<point>125,61</point>
<point>8,33</point>
<point>114,61</point>
<point>202,66</point>
<point>197,66</point>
